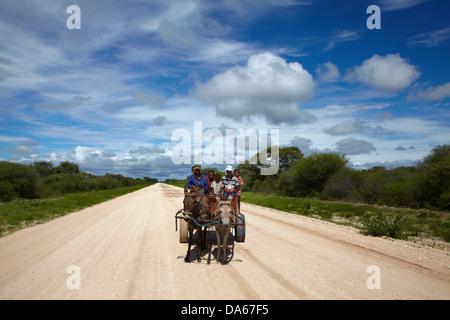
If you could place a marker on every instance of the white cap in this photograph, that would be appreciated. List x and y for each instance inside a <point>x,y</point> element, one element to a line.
<point>229,168</point>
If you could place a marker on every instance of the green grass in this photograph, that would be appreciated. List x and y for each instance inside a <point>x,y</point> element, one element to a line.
<point>380,225</point>
<point>19,214</point>
<point>307,206</point>
<point>370,219</point>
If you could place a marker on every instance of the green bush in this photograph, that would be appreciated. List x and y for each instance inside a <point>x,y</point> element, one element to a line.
<point>379,225</point>
<point>444,200</point>
<point>373,185</point>
<point>6,191</point>
<point>43,168</point>
<point>66,167</point>
<point>400,193</point>
<point>433,178</point>
<point>23,178</point>
<point>341,185</point>
<point>312,173</point>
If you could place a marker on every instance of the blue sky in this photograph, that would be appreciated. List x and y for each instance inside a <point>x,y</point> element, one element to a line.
<point>110,95</point>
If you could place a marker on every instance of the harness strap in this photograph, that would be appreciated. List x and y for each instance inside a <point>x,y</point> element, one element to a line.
<point>204,225</point>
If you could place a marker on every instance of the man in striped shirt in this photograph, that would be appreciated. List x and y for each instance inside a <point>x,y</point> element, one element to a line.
<point>229,179</point>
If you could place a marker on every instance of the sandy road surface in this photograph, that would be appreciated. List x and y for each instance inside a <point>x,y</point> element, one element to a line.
<point>127,248</point>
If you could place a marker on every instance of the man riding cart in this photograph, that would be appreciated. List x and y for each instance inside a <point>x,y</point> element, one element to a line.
<point>197,181</point>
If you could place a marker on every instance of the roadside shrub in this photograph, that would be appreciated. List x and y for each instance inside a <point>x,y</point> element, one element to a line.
<point>373,185</point>
<point>287,184</point>
<point>444,200</point>
<point>379,226</point>
<point>433,178</point>
<point>23,178</point>
<point>341,185</point>
<point>442,229</point>
<point>6,191</point>
<point>400,193</point>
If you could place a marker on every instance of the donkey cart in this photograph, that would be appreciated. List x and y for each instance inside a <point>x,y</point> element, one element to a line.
<point>239,226</point>
<point>200,212</point>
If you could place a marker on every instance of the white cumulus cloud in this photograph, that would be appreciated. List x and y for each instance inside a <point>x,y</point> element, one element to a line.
<point>267,86</point>
<point>389,74</point>
<point>328,72</point>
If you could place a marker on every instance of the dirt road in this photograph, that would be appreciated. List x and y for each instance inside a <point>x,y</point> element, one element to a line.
<point>127,248</point>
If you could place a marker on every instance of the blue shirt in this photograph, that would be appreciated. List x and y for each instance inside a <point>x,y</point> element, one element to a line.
<point>197,182</point>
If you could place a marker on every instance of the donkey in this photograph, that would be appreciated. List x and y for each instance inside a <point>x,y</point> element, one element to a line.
<point>225,215</point>
<point>195,207</point>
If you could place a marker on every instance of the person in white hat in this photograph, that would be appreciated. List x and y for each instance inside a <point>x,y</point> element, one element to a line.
<point>230,183</point>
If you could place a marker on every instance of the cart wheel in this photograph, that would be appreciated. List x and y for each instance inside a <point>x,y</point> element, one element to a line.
<point>183,231</point>
<point>240,229</point>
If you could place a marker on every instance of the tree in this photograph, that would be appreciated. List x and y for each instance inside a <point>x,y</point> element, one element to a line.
<point>22,178</point>
<point>310,174</point>
<point>374,184</point>
<point>43,168</point>
<point>250,173</point>
<point>288,157</point>
<point>433,178</point>
<point>67,167</point>
<point>438,155</point>
<point>150,180</point>
<point>6,191</point>
<point>342,184</point>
